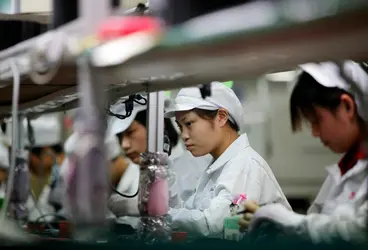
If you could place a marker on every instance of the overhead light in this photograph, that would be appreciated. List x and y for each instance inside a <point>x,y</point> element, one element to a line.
<point>285,76</point>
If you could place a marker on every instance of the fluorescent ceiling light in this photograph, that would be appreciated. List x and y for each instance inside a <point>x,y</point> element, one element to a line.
<point>286,76</point>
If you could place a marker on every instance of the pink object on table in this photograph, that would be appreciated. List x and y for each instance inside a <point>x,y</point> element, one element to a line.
<point>237,200</point>
<point>158,201</point>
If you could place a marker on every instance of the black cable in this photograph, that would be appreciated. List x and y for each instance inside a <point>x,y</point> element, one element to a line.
<point>30,133</point>
<point>125,195</point>
<point>129,105</point>
<point>364,66</point>
<point>138,98</point>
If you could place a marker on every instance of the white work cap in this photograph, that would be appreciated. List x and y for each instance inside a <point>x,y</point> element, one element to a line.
<point>117,125</point>
<point>328,74</point>
<point>47,130</point>
<point>221,97</point>
<point>111,144</point>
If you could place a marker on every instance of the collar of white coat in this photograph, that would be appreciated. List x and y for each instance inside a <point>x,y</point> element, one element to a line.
<point>235,148</point>
<point>335,173</point>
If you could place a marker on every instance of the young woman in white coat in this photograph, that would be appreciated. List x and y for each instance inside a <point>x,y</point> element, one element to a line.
<point>334,110</point>
<point>211,126</point>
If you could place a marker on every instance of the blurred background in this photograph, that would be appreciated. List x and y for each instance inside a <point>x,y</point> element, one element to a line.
<point>297,160</point>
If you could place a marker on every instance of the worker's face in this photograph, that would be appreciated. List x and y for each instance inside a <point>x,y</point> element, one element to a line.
<point>42,162</point>
<point>200,136</point>
<point>134,141</point>
<point>337,130</point>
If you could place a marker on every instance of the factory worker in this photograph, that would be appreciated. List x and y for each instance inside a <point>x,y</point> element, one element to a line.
<point>325,98</point>
<point>44,158</point>
<point>211,126</point>
<point>118,170</point>
<point>132,133</point>
<point>187,168</point>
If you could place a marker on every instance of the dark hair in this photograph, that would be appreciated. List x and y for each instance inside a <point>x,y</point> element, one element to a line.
<point>3,127</point>
<point>141,118</point>
<point>57,148</point>
<point>308,94</point>
<point>211,114</point>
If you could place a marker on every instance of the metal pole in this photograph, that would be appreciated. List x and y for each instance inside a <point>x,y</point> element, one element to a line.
<point>156,104</point>
<point>20,138</point>
<point>93,12</point>
<point>21,187</point>
<point>88,190</point>
<point>14,6</point>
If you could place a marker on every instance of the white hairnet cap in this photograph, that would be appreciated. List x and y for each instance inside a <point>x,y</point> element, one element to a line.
<point>111,144</point>
<point>221,97</point>
<point>47,130</point>
<point>117,125</point>
<point>328,74</point>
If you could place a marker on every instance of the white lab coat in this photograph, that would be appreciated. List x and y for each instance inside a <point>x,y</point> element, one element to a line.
<point>128,184</point>
<point>188,170</point>
<point>127,208</point>
<point>339,210</point>
<point>41,207</point>
<point>238,170</point>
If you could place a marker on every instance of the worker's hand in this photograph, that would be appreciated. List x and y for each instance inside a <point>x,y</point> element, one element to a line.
<point>250,208</point>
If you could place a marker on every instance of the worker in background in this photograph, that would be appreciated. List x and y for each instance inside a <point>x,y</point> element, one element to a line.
<point>43,139</point>
<point>325,98</point>
<point>121,185</point>
<point>132,133</point>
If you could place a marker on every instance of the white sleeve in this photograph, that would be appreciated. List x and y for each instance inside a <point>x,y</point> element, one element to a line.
<point>349,225</point>
<point>208,222</point>
<point>174,189</point>
<point>122,206</point>
<point>129,183</point>
<point>234,179</point>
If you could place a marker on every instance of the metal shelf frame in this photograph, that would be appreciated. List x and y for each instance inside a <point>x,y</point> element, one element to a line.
<point>185,56</point>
